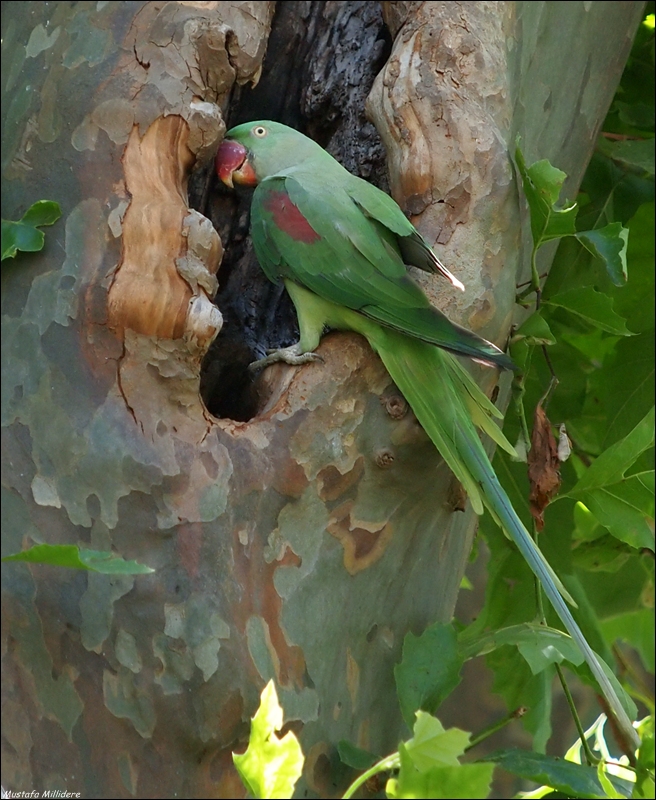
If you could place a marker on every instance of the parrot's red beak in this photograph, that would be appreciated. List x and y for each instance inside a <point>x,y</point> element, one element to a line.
<point>233,166</point>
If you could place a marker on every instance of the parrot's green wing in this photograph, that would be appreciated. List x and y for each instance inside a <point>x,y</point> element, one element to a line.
<point>414,249</point>
<point>326,243</point>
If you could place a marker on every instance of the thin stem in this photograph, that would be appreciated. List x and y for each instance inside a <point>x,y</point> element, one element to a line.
<point>526,292</point>
<point>547,358</point>
<point>496,726</point>
<point>530,283</point>
<point>583,456</point>
<point>525,431</point>
<point>385,764</point>
<point>518,392</point>
<point>535,284</point>
<point>589,757</point>
<point>535,275</point>
<point>619,137</point>
<point>544,400</point>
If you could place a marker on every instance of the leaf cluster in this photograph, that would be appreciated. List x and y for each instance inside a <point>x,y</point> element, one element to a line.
<point>433,762</point>
<point>587,357</point>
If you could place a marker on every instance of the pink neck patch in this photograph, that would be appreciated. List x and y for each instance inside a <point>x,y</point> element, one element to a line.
<point>289,219</point>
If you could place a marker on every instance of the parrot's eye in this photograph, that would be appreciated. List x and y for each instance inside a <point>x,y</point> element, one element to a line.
<point>260,131</point>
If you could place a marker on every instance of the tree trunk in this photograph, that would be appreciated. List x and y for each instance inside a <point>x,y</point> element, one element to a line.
<point>299,525</point>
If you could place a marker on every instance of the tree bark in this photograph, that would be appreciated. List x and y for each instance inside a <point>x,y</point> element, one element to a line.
<point>300,526</point>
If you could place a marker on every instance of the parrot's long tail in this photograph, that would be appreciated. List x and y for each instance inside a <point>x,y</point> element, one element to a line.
<point>448,403</point>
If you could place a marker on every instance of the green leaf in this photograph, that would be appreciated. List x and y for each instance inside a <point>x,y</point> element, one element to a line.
<point>540,645</point>
<point>637,83</point>
<point>625,508</point>
<point>634,153</point>
<point>43,212</point>
<point>615,193</point>
<point>542,184</point>
<point>587,525</point>
<point>625,386</point>
<point>535,331</point>
<point>429,765</point>
<point>355,757</point>
<point>636,628</point>
<point>609,244</point>
<point>547,179</point>
<point>603,554</point>
<point>635,302</point>
<point>606,783</point>
<point>539,656</point>
<point>519,687</point>
<point>645,765</point>
<point>23,235</point>
<point>429,670</point>
<point>464,781</point>
<point>432,745</point>
<point>270,767</point>
<point>628,589</point>
<point>68,555</point>
<point>645,786</point>
<point>611,465</point>
<point>637,115</point>
<point>593,307</point>
<point>574,780</point>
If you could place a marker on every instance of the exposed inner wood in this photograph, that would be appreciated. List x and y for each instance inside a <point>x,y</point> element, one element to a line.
<point>148,295</point>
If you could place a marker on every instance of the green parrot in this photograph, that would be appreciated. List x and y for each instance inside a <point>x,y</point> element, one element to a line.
<point>340,246</point>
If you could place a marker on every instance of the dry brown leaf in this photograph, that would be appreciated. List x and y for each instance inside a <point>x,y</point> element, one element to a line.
<point>543,466</point>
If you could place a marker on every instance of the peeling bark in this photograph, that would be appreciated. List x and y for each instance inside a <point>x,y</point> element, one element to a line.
<point>443,105</point>
<point>162,287</point>
<point>301,537</point>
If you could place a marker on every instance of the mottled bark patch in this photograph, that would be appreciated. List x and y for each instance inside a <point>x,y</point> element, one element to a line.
<point>362,546</point>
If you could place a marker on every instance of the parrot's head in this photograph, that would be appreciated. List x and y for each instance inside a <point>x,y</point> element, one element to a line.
<point>255,150</point>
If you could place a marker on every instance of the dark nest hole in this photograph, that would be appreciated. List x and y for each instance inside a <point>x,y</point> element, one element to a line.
<point>321,62</point>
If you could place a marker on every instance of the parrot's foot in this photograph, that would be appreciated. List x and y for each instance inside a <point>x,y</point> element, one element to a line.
<point>290,355</point>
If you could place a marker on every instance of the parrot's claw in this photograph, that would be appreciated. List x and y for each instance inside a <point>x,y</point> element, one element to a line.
<point>290,355</point>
